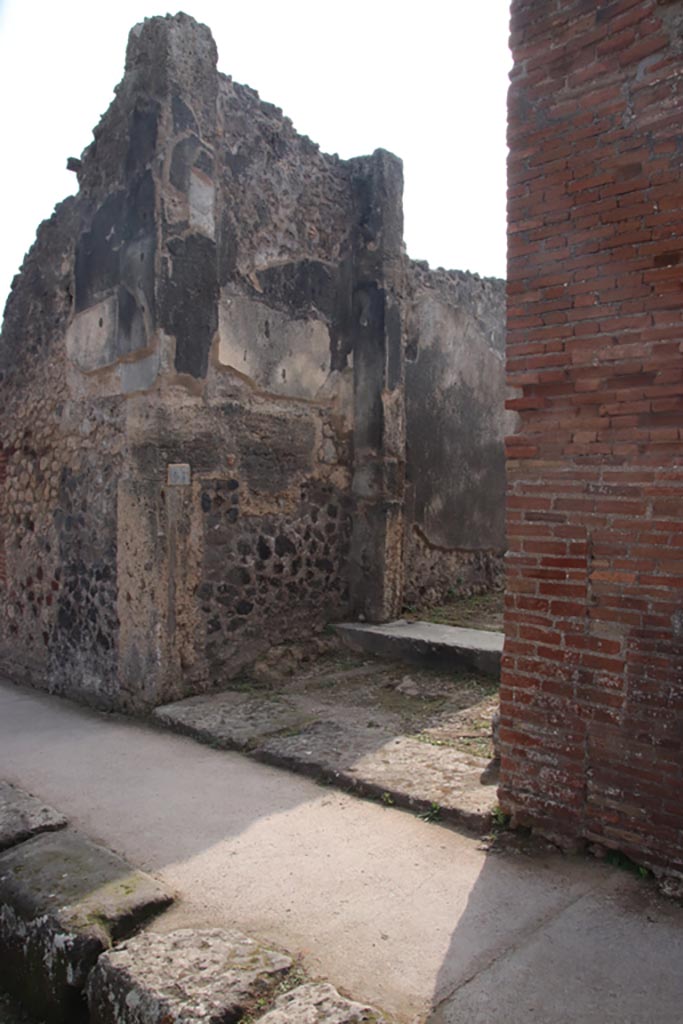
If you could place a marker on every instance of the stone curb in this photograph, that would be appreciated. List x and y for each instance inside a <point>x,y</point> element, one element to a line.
<point>478,821</point>
<point>63,900</point>
<point>22,816</point>
<point>319,1004</point>
<point>183,976</point>
<point>211,975</point>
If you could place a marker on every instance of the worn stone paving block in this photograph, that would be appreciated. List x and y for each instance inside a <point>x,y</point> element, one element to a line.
<point>330,743</point>
<point>318,1004</point>
<point>232,719</point>
<point>22,816</point>
<point>182,977</point>
<point>63,900</point>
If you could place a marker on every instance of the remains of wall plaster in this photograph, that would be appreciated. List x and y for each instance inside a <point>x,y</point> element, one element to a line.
<point>455,427</point>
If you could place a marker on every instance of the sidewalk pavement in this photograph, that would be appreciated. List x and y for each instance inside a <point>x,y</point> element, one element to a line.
<point>406,915</point>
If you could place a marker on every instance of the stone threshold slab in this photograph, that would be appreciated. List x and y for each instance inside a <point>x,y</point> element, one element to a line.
<point>427,644</point>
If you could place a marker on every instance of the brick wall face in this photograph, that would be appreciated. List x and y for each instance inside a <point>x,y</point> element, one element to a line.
<point>3,478</point>
<point>592,694</point>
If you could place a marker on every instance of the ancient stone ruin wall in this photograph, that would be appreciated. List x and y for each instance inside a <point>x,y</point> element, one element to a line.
<point>455,428</point>
<point>62,452</point>
<point>204,421</point>
<point>593,665</point>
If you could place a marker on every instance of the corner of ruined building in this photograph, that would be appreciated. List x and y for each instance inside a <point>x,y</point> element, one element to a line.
<point>209,454</point>
<point>170,52</point>
<point>166,55</point>
<point>378,182</point>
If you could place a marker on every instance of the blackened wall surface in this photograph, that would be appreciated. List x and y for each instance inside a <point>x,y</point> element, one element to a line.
<point>61,454</point>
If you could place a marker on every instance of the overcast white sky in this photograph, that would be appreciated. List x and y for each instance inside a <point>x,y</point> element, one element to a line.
<point>427,80</point>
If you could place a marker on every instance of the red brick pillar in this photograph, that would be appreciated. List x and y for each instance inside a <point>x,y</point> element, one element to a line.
<point>592,688</point>
<point>3,480</point>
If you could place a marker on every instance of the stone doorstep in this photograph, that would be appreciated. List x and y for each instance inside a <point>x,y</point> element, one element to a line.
<point>208,975</point>
<point>63,901</point>
<point>427,644</point>
<point>22,816</point>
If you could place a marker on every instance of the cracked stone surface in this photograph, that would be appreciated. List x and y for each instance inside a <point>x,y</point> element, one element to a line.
<point>319,1004</point>
<point>63,900</point>
<point>23,816</point>
<point>181,977</point>
<point>398,768</point>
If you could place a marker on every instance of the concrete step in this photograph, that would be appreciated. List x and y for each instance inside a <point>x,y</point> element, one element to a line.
<point>427,644</point>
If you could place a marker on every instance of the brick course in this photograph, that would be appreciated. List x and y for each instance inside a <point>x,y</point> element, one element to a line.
<point>592,686</point>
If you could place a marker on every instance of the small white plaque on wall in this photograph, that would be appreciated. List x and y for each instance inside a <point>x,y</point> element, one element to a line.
<point>179,474</point>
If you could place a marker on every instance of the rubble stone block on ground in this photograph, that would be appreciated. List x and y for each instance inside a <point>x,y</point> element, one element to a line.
<point>63,900</point>
<point>319,1004</point>
<point>181,977</point>
<point>22,816</point>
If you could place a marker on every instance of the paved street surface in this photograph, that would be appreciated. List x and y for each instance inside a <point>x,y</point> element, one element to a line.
<point>395,911</point>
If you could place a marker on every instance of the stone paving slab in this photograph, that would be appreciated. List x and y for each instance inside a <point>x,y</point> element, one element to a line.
<point>319,1004</point>
<point>183,976</point>
<point>232,720</point>
<point>428,644</point>
<point>22,816</point>
<point>63,900</point>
